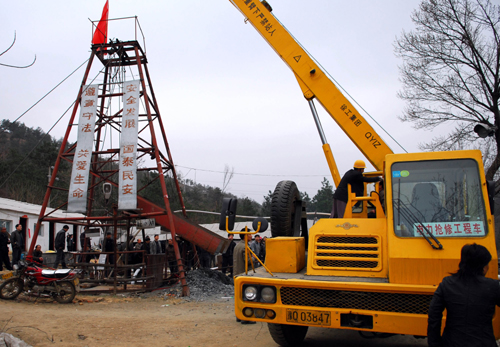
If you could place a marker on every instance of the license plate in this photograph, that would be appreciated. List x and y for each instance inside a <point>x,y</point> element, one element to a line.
<point>308,317</point>
<point>8,275</point>
<point>76,281</point>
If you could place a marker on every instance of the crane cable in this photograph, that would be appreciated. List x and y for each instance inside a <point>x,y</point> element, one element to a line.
<point>340,86</point>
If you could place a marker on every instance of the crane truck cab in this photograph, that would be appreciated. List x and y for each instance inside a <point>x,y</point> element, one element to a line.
<point>377,274</point>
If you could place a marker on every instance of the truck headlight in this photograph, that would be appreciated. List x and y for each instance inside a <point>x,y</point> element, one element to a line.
<point>250,293</point>
<point>268,294</point>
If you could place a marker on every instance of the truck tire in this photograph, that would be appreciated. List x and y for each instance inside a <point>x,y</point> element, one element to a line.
<point>283,208</point>
<point>287,335</point>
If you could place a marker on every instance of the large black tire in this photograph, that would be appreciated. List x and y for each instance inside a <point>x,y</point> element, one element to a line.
<point>67,292</point>
<point>287,335</point>
<point>11,288</point>
<point>283,208</point>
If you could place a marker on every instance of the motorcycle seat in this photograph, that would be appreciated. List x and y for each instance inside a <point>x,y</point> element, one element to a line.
<point>56,273</point>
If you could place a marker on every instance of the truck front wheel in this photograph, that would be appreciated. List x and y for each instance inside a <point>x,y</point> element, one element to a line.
<point>287,335</point>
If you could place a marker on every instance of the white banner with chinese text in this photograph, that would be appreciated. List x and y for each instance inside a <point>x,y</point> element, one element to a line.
<point>77,197</point>
<point>451,229</point>
<point>127,185</point>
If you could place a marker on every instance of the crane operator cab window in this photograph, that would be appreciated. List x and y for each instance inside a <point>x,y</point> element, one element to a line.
<point>443,197</point>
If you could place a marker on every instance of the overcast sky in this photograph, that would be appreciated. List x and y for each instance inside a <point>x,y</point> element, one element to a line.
<point>225,96</point>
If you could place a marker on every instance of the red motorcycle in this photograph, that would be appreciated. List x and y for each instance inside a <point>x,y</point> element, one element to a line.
<point>33,280</point>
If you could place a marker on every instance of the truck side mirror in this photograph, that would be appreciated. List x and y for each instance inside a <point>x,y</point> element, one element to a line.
<point>263,224</point>
<point>228,210</point>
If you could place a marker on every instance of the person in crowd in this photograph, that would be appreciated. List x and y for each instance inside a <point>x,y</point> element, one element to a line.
<point>4,249</point>
<point>109,247</point>
<point>17,242</point>
<point>172,262</point>
<point>139,246</point>
<point>147,245</point>
<point>38,255</point>
<point>256,248</point>
<point>239,262</point>
<point>59,245</point>
<point>85,245</point>
<point>469,299</point>
<point>69,242</point>
<point>155,247</point>
<point>355,178</point>
<point>204,257</point>
<point>227,256</point>
<point>262,255</point>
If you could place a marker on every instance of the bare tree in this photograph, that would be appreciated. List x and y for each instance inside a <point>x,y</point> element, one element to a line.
<point>15,66</point>
<point>451,73</point>
<point>228,175</point>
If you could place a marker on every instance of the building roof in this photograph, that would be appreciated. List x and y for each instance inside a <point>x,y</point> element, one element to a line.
<point>33,209</point>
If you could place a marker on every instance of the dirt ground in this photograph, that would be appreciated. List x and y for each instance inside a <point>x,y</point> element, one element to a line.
<point>107,320</point>
<point>117,321</point>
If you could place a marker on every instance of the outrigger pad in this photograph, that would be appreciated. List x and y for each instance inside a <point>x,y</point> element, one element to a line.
<point>228,210</point>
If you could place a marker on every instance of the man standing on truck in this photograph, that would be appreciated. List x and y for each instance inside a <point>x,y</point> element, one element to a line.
<point>355,178</point>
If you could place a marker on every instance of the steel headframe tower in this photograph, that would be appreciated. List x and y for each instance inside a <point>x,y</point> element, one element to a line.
<point>119,58</point>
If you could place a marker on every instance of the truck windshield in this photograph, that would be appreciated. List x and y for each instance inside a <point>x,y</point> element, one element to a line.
<point>442,196</point>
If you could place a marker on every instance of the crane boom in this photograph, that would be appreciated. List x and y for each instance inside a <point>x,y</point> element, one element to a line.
<point>314,83</point>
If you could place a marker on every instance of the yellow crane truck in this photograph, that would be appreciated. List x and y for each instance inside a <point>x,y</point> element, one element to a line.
<point>376,275</point>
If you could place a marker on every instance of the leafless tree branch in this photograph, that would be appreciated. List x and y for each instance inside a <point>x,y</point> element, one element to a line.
<point>451,73</point>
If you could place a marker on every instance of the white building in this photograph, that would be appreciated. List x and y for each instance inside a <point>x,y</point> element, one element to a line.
<point>15,212</point>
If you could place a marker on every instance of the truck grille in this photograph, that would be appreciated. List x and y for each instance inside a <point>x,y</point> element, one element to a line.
<point>385,302</point>
<point>347,252</point>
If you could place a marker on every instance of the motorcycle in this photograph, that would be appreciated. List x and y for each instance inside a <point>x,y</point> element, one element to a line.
<point>61,284</point>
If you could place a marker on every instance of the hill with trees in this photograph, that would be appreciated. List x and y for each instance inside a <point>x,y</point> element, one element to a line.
<point>27,155</point>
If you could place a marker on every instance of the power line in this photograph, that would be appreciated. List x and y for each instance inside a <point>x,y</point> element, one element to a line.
<point>43,97</point>
<point>48,132</point>
<point>251,174</point>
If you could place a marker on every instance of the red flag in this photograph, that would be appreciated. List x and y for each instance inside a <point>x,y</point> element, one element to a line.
<point>101,32</point>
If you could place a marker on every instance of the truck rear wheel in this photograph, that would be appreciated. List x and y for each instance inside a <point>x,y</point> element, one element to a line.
<point>287,335</point>
<point>283,208</point>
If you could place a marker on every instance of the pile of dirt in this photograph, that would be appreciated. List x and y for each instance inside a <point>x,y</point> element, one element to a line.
<point>207,284</point>
<point>204,285</point>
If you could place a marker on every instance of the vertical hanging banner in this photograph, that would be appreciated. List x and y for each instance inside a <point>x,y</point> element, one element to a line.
<point>77,197</point>
<point>127,194</point>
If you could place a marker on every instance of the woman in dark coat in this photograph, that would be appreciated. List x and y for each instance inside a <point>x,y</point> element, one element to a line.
<point>470,299</point>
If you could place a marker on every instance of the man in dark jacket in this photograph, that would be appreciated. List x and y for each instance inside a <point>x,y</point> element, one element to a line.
<point>4,249</point>
<point>172,261</point>
<point>59,244</point>
<point>17,241</point>
<point>155,246</point>
<point>355,178</point>
<point>227,256</point>
<point>109,246</point>
<point>38,255</point>
<point>147,245</point>
<point>69,243</point>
